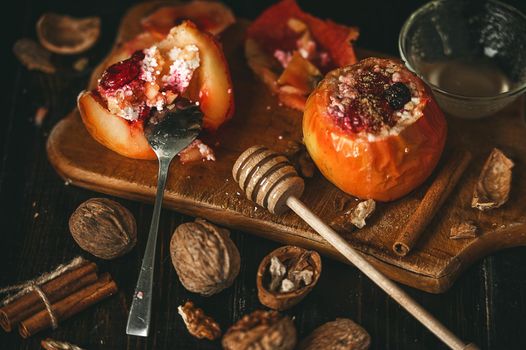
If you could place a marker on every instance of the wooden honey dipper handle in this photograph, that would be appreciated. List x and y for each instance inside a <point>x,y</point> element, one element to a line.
<point>267,179</point>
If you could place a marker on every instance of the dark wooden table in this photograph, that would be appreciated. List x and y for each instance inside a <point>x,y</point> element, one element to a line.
<point>487,305</point>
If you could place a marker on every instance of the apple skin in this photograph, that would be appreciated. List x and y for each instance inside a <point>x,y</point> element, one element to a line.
<point>211,86</point>
<point>118,134</point>
<point>210,16</point>
<point>384,169</point>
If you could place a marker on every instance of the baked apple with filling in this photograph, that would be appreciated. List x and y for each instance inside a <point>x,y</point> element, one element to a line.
<point>208,16</point>
<point>290,50</point>
<point>374,129</point>
<point>187,65</point>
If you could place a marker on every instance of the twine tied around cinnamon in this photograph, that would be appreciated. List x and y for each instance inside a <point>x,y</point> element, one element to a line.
<point>23,288</point>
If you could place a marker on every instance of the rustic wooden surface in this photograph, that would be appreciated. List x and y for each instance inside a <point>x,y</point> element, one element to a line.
<point>486,305</point>
<point>208,190</point>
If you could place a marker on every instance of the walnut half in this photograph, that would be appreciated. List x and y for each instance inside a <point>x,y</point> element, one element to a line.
<point>263,330</point>
<point>286,276</point>
<point>198,324</point>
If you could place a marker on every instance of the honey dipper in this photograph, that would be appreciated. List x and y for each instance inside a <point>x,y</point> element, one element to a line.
<point>268,179</point>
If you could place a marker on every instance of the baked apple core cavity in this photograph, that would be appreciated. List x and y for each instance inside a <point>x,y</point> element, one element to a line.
<point>151,78</point>
<point>374,98</point>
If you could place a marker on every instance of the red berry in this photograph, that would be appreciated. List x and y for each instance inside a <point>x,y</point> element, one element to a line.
<point>122,73</point>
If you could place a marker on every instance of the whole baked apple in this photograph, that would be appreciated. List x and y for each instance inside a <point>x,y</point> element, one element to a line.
<point>188,64</point>
<point>374,129</point>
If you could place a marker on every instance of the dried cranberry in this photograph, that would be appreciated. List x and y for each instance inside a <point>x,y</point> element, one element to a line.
<point>397,95</point>
<point>122,73</point>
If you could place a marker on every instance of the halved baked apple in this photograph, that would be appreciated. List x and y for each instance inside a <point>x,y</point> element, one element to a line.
<point>291,50</point>
<point>187,64</point>
<point>374,129</point>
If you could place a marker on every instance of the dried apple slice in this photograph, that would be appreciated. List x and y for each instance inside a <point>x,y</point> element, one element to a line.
<point>188,63</point>
<point>212,17</point>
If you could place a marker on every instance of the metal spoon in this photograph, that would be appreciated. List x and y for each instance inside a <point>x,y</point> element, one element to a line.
<point>168,132</point>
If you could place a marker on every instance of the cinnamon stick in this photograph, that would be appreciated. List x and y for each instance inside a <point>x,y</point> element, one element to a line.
<point>435,196</point>
<point>56,289</point>
<point>70,305</point>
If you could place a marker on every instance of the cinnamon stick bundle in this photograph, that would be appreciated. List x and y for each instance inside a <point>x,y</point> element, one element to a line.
<point>69,306</point>
<point>56,289</point>
<point>435,196</point>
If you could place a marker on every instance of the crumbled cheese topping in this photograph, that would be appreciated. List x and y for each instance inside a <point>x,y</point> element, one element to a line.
<point>150,65</point>
<point>184,62</point>
<point>153,89</point>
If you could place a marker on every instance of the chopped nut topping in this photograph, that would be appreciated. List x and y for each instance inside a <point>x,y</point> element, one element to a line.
<point>373,99</point>
<point>198,324</point>
<point>463,230</point>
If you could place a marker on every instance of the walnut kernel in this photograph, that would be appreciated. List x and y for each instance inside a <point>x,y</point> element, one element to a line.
<point>286,276</point>
<point>463,230</point>
<point>198,324</point>
<point>103,228</point>
<point>204,256</point>
<point>264,330</point>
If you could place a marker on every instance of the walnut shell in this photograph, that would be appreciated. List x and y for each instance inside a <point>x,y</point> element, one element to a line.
<point>263,330</point>
<point>341,334</point>
<point>294,258</point>
<point>67,35</point>
<point>103,228</point>
<point>493,187</point>
<point>204,256</point>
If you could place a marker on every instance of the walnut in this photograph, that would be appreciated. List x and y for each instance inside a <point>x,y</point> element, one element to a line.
<point>104,228</point>
<point>341,334</point>
<point>32,55</point>
<point>263,330</point>
<point>286,276</point>
<point>493,187</point>
<point>67,35</point>
<point>198,324</point>
<point>463,230</point>
<point>204,256</point>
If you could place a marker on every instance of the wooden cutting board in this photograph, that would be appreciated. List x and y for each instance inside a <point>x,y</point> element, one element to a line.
<point>208,190</point>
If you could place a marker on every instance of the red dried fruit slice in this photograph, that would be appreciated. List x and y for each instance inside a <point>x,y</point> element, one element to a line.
<point>212,17</point>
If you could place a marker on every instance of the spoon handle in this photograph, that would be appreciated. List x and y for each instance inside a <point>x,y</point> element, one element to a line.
<point>140,310</point>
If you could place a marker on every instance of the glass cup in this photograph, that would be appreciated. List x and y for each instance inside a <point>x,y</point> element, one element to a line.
<point>471,53</point>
